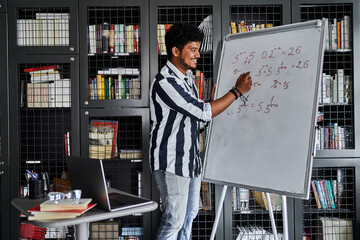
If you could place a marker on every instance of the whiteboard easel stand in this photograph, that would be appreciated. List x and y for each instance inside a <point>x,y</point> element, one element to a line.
<point>271,213</point>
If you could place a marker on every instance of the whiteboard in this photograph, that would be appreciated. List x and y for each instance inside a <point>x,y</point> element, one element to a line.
<point>267,143</point>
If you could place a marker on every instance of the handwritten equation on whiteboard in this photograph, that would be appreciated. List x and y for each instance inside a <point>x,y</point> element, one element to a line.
<point>269,75</point>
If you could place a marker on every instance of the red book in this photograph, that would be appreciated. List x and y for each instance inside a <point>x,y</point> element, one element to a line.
<point>36,214</point>
<point>66,145</point>
<point>201,85</point>
<point>136,38</point>
<point>112,39</point>
<point>41,68</point>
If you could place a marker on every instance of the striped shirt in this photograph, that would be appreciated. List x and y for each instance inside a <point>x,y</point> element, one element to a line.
<point>176,116</point>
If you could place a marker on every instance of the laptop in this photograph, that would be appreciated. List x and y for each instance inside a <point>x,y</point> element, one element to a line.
<point>88,175</point>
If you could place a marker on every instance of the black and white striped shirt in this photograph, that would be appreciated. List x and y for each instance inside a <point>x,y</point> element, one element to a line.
<point>176,114</point>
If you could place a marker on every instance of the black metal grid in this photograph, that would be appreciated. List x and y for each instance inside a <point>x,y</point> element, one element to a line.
<point>43,26</point>
<point>124,170</point>
<point>43,123</point>
<point>109,50</point>
<point>341,215</point>
<point>339,113</point>
<point>257,15</point>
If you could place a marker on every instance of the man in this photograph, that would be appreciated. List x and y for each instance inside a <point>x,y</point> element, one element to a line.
<point>177,114</point>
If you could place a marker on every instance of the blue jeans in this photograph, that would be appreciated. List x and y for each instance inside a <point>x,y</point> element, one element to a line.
<point>180,204</point>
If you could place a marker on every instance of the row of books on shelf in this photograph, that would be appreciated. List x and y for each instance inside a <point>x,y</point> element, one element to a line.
<point>161,31</point>
<point>332,137</point>
<point>46,94</point>
<point>241,200</point>
<point>339,34</point>
<point>109,87</point>
<point>205,27</point>
<point>256,233</point>
<point>113,38</point>
<point>240,26</point>
<point>336,88</point>
<point>329,193</point>
<point>47,29</point>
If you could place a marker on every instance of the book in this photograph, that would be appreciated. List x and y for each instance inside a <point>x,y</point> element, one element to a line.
<point>329,198</point>
<point>35,69</point>
<point>65,204</point>
<point>316,195</point>
<point>340,186</point>
<point>105,37</point>
<point>347,32</point>
<point>206,196</point>
<point>321,195</point>
<point>340,82</point>
<point>112,39</point>
<point>38,214</point>
<point>331,193</point>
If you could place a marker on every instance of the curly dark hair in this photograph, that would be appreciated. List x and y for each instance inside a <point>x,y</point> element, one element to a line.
<point>179,35</point>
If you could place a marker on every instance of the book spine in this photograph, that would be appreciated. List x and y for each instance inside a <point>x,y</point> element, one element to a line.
<point>326,196</point>
<point>105,37</point>
<point>321,194</point>
<point>316,195</point>
<point>112,39</point>
<point>331,194</point>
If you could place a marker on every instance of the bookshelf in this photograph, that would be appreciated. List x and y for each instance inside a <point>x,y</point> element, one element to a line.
<point>338,114</point>
<point>128,170</point>
<point>340,61</point>
<point>32,133</point>
<point>38,140</point>
<point>113,40</point>
<point>43,27</point>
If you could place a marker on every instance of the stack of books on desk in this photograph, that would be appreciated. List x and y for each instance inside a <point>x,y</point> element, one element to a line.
<point>64,209</point>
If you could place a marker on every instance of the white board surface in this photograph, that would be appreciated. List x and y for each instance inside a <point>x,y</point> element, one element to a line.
<point>267,143</point>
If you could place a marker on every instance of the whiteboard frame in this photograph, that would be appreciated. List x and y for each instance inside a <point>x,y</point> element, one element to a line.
<point>319,24</point>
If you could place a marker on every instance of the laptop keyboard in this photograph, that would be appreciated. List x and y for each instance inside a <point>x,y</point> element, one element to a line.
<point>121,200</point>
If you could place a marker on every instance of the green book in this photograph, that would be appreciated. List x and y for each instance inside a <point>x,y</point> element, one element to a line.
<point>106,80</point>
<point>123,88</point>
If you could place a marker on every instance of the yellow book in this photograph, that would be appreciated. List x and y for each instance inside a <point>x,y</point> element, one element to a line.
<point>98,86</point>
<point>242,25</point>
<point>102,89</point>
<point>233,27</point>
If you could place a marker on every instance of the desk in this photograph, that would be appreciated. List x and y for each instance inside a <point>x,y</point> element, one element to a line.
<point>81,223</point>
